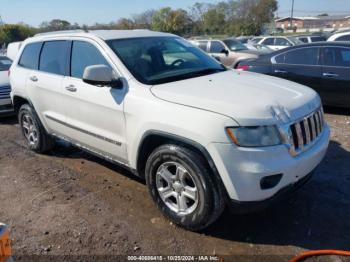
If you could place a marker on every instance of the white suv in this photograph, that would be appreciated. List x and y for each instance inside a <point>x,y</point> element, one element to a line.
<point>204,137</point>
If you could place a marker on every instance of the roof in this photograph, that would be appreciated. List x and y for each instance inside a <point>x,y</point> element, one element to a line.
<point>331,17</point>
<point>108,34</point>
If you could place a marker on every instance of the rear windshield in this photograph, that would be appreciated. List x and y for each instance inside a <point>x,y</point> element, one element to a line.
<point>5,63</point>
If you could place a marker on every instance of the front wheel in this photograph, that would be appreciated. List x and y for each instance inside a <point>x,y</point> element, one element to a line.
<point>183,187</point>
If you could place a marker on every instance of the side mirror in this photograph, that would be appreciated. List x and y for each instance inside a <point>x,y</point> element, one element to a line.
<point>224,51</point>
<point>101,75</point>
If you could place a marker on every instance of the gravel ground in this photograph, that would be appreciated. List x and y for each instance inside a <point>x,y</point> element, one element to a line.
<point>69,203</point>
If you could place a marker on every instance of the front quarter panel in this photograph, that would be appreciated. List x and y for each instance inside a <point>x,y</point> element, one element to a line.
<point>144,113</point>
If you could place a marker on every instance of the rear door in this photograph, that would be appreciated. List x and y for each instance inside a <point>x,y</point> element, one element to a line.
<point>336,76</point>
<point>300,65</point>
<point>95,115</point>
<point>44,85</point>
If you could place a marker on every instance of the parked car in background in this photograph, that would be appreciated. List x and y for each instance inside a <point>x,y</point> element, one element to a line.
<point>5,89</point>
<point>311,38</point>
<point>264,49</point>
<point>323,66</point>
<point>278,42</point>
<point>202,136</point>
<point>343,36</point>
<point>244,39</point>
<point>13,49</point>
<point>228,51</point>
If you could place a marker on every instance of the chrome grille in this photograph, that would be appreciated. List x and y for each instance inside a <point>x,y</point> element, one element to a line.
<point>303,133</point>
<point>5,92</point>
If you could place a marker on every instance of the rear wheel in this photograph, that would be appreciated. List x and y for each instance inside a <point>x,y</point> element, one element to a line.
<point>34,133</point>
<point>183,188</point>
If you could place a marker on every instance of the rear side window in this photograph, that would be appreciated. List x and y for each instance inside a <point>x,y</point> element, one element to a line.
<point>318,39</point>
<point>30,56</point>
<point>216,47</point>
<point>336,56</point>
<point>304,56</point>
<point>269,41</point>
<point>53,57</point>
<point>202,45</point>
<point>83,55</point>
<point>343,38</point>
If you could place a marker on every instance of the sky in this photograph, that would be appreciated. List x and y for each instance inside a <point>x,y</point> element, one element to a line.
<point>33,12</point>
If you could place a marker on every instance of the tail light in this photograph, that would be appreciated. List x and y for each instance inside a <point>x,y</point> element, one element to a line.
<point>243,67</point>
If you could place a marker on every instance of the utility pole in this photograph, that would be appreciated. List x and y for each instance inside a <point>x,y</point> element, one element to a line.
<point>291,16</point>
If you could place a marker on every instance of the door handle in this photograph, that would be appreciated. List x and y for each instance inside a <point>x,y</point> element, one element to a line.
<point>330,75</point>
<point>278,71</point>
<point>71,88</point>
<point>33,79</point>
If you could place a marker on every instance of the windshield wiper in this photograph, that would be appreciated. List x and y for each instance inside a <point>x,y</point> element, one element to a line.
<point>202,72</point>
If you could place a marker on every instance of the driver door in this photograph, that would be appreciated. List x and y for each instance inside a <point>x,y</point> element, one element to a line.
<point>94,114</point>
<point>221,53</point>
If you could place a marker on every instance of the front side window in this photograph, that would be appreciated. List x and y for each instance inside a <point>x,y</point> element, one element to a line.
<point>336,56</point>
<point>5,63</point>
<point>216,47</point>
<point>303,39</point>
<point>343,38</point>
<point>255,40</point>
<point>269,41</point>
<point>235,45</point>
<point>282,42</point>
<point>30,56</point>
<point>53,57</point>
<point>157,60</point>
<point>83,55</point>
<point>303,56</point>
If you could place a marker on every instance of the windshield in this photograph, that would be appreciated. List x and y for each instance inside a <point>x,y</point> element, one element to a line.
<point>235,45</point>
<point>5,63</point>
<point>157,60</point>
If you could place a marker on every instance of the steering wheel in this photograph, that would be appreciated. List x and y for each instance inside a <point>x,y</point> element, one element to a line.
<point>177,61</point>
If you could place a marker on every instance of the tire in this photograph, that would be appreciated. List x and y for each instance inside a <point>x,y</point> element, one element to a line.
<point>33,131</point>
<point>189,195</point>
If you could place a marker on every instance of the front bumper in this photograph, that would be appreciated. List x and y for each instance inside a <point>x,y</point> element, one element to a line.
<point>238,207</point>
<point>6,107</point>
<point>242,169</point>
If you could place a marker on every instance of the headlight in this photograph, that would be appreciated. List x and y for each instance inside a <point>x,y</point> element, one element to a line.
<point>256,136</point>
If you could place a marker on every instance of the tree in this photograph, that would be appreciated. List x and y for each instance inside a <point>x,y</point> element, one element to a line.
<point>124,23</point>
<point>214,21</point>
<point>173,21</point>
<point>13,33</point>
<point>55,25</point>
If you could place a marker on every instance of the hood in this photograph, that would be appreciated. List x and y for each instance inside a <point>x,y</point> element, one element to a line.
<point>4,79</point>
<point>249,98</point>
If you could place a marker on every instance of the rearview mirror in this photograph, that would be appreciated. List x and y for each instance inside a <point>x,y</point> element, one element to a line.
<point>101,75</point>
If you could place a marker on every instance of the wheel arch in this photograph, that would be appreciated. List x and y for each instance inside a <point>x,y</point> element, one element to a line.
<point>153,139</point>
<point>18,101</point>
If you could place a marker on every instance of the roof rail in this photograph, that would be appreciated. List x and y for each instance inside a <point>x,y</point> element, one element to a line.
<point>62,32</point>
